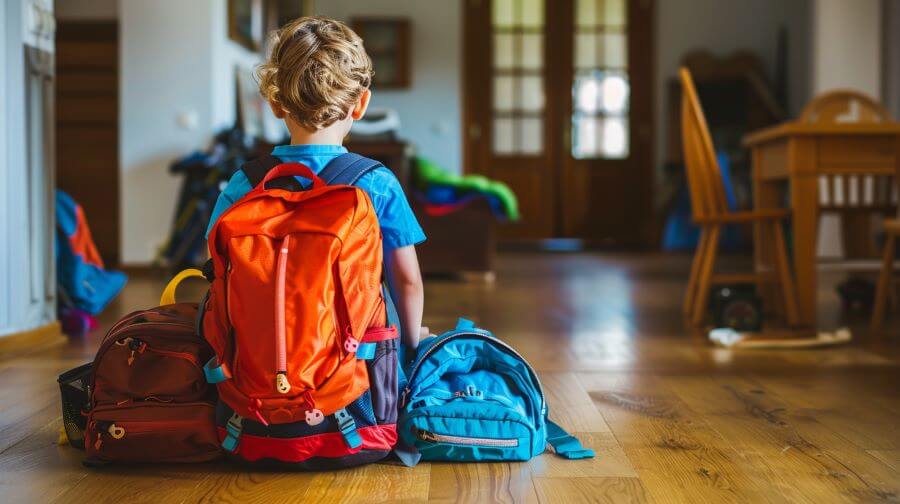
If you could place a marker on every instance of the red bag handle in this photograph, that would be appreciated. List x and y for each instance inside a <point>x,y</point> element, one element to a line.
<point>292,170</point>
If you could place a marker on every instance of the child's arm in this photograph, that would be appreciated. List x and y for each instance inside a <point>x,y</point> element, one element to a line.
<point>405,281</point>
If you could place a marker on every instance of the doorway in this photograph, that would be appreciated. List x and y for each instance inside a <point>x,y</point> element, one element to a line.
<point>87,125</point>
<point>558,102</point>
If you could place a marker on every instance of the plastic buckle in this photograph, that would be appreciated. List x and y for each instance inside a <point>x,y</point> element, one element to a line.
<point>347,426</point>
<point>233,429</point>
<point>213,373</point>
<point>365,351</point>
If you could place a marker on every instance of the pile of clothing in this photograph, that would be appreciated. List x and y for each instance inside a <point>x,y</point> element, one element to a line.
<point>442,192</point>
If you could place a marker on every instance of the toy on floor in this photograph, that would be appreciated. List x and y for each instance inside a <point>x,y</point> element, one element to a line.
<point>85,286</point>
<point>729,338</point>
<point>737,307</point>
<point>442,193</point>
<point>857,295</point>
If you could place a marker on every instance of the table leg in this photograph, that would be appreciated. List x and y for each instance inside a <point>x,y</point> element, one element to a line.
<point>805,214</point>
<point>766,194</point>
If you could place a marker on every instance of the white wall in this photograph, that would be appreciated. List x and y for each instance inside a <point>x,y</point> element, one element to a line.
<point>430,111</point>
<point>722,27</point>
<point>176,63</point>
<point>846,53</point>
<point>847,45</point>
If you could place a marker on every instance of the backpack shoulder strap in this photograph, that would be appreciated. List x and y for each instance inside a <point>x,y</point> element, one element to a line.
<point>346,169</point>
<point>255,170</point>
<point>564,444</point>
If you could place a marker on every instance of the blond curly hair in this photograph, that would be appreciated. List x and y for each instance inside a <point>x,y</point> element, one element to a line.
<point>316,71</point>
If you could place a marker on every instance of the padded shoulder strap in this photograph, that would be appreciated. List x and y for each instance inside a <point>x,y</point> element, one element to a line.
<point>347,168</point>
<point>255,170</point>
<point>566,445</point>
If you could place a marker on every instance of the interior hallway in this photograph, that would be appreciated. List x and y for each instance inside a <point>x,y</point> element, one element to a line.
<point>671,419</point>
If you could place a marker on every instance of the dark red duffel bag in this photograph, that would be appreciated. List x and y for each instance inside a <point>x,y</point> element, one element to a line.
<point>150,401</point>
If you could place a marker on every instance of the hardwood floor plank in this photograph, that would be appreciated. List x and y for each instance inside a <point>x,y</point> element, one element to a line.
<point>610,461</point>
<point>504,482</point>
<point>602,490</point>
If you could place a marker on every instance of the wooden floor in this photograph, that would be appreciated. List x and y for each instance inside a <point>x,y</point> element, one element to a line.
<point>672,419</point>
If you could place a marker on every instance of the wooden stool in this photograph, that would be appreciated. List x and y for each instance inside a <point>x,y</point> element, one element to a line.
<point>710,211</point>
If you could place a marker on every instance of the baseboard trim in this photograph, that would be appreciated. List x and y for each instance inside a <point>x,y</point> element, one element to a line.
<point>38,337</point>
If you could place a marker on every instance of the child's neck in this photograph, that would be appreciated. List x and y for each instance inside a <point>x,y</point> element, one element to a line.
<point>331,135</point>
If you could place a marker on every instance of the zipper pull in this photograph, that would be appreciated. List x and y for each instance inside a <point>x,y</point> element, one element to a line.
<point>135,345</point>
<point>116,432</point>
<point>282,385</point>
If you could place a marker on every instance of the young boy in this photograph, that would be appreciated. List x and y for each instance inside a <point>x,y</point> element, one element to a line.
<point>317,80</point>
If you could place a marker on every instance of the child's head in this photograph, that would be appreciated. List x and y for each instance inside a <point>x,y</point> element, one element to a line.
<point>317,74</point>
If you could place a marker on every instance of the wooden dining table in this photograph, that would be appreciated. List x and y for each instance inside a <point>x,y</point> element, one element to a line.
<point>788,161</point>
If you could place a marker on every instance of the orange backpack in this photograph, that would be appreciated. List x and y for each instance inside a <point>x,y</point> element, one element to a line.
<point>295,312</point>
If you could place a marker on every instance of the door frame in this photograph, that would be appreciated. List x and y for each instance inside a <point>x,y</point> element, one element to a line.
<point>476,35</point>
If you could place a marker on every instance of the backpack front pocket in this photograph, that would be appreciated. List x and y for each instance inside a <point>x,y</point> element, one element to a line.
<point>281,302</point>
<point>153,432</point>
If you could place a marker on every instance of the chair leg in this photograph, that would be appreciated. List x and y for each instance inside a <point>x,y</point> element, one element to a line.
<point>691,293</point>
<point>704,281</point>
<point>884,283</point>
<point>785,276</point>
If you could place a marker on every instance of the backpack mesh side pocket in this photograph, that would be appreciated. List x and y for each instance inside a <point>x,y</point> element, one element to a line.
<point>75,391</point>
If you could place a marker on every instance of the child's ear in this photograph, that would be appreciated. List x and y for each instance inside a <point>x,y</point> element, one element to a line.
<point>359,110</point>
<point>277,110</point>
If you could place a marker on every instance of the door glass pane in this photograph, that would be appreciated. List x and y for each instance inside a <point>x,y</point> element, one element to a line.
<point>504,53</point>
<point>504,142</point>
<point>600,89</point>
<point>532,53</point>
<point>504,93</point>
<point>530,95</point>
<point>531,135</point>
<point>532,13</point>
<point>502,13</point>
<point>613,50</point>
<point>517,83</point>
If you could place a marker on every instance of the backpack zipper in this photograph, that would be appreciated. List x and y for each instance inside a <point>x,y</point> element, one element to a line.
<point>282,385</point>
<point>431,437</point>
<point>139,346</point>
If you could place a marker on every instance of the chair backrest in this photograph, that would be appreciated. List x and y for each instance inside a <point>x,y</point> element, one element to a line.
<point>844,192</point>
<point>844,106</point>
<point>703,174</point>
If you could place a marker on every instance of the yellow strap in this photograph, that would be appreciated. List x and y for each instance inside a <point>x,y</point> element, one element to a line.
<point>168,295</point>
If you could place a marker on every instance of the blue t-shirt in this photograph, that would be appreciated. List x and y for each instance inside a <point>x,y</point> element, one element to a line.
<point>399,227</point>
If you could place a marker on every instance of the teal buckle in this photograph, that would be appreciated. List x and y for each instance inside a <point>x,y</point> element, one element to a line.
<point>348,428</point>
<point>365,351</point>
<point>213,373</point>
<point>233,429</point>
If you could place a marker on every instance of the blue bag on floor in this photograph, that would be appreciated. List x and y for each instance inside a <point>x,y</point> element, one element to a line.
<point>471,397</point>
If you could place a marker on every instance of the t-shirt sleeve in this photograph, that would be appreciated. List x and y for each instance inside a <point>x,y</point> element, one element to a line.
<point>237,187</point>
<point>399,227</point>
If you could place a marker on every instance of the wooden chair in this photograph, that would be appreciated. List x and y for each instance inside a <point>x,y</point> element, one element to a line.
<point>710,212</point>
<point>886,280</point>
<point>853,197</point>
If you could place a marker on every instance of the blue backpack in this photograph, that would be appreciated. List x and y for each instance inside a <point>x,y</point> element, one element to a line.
<point>471,397</point>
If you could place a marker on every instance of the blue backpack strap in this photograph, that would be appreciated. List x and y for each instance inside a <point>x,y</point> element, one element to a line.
<point>346,169</point>
<point>566,445</point>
